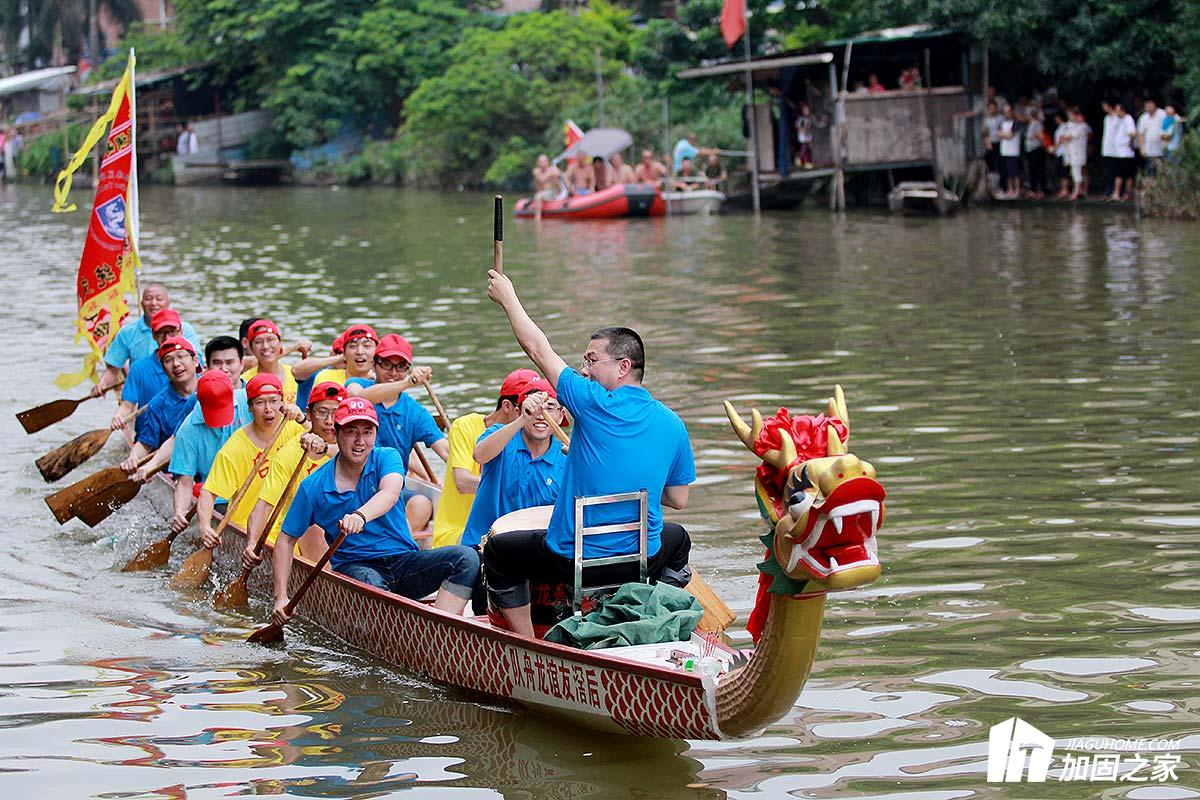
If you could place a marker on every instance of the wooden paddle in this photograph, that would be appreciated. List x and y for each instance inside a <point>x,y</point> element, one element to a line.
<point>425,464</point>
<point>156,553</point>
<point>558,432</point>
<point>64,502</point>
<point>196,568</point>
<point>442,418</point>
<point>498,239</point>
<point>272,633</point>
<point>47,414</point>
<point>234,594</point>
<point>61,460</point>
<point>717,616</point>
<point>99,506</point>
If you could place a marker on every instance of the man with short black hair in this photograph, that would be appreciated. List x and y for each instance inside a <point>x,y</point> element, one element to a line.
<point>226,353</point>
<point>146,377</point>
<point>625,441</point>
<point>156,426</point>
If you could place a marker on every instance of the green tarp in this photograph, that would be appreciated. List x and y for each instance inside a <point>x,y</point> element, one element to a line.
<point>637,614</point>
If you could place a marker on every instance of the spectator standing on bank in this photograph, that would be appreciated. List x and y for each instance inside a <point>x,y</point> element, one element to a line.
<point>1108,146</point>
<point>1149,135</point>
<point>1079,133</point>
<point>1172,132</point>
<point>1124,137</point>
<point>1035,153</point>
<point>991,136</point>
<point>1010,155</point>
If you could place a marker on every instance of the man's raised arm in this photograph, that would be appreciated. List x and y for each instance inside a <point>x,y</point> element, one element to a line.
<point>531,338</point>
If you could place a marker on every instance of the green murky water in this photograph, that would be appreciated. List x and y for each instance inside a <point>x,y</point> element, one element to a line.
<point>1024,383</point>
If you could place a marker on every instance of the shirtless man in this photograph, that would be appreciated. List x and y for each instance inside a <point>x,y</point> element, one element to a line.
<point>648,170</point>
<point>547,182</point>
<point>581,179</point>
<point>619,171</point>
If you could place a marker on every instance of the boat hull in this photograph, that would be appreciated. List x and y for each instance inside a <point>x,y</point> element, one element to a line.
<point>621,200</point>
<point>701,201</point>
<point>599,691</point>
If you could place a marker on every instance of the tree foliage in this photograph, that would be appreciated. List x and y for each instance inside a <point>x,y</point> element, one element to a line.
<point>33,31</point>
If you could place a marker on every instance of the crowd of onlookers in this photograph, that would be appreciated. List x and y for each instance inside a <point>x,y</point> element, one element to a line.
<point>1044,146</point>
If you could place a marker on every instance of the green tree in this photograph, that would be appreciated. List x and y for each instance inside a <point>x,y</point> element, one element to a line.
<point>503,89</point>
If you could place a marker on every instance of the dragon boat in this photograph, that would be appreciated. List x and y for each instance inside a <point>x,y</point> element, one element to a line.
<point>822,507</point>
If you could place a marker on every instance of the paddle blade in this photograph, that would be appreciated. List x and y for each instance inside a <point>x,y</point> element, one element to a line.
<point>65,502</point>
<point>46,415</point>
<point>233,595</point>
<point>194,571</point>
<point>61,460</point>
<point>269,634</point>
<point>100,506</point>
<point>153,556</point>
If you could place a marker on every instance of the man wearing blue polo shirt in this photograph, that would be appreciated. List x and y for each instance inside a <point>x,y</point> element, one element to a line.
<point>167,409</point>
<point>135,340</point>
<point>357,493</point>
<point>624,441</point>
<point>146,376</point>
<point>521,466</point>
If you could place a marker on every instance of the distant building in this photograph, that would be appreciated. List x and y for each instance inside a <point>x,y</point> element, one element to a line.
<point>32,95</point>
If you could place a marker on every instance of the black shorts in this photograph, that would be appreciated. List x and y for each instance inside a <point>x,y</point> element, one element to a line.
<point>1011,165</point>
<point>513,558</point>
<point>1125,167</point>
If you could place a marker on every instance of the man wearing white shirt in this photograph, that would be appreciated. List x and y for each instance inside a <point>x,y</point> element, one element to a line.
<point>1107,148</point>
<point>1010,154</point>
<point>1124,135</point>
<point>1149,134</point>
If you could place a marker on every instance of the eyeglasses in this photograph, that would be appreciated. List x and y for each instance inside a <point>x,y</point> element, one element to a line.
<point>588,363</point>
<point>392,366</point>
<point>266,402</point>
<point>323,414</point>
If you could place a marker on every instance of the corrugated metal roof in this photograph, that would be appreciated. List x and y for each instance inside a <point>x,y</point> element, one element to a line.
<point>893,35</point>
<point>759,65</point>
<point>142,79</point>
<point>49,78</point>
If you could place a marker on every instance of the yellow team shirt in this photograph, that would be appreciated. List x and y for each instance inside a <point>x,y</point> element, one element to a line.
<point>454,507</point>
<point>233,463</point>
<point>290,387</point>
<point>282,464</point>
<point>331,374</point>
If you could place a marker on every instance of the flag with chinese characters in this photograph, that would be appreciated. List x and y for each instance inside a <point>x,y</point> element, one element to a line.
<point>733,21</point>
<point>108,266</point>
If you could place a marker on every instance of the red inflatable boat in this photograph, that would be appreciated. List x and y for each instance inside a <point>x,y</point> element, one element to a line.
<point>619,200</point>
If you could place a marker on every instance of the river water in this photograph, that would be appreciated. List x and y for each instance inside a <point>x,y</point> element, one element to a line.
<point>1024,382</point>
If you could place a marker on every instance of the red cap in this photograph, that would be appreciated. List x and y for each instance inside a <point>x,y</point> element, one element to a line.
<point>165,318</point>
<point>354,408</point>
<point>214,392</point>
<point>537,385</point>
<point>173,344</point>
<point>339,344</point>
<point>394,345</point>
<point>515,382</point>
<point>327,390</point>
<point>263,383</point>
<point>357,332</point>
<point>260,327</point>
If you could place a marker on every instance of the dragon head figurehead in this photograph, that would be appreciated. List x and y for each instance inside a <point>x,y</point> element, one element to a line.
<point>822,502</point>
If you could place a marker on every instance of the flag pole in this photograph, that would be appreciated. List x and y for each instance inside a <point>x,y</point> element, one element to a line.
<point>133,218</point>
<point>750,110</point>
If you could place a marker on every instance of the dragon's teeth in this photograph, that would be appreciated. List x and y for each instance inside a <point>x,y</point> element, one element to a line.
<point>875,520</point>
<point>833,564</point>
<point>837,523</point>
<point>795,559</point>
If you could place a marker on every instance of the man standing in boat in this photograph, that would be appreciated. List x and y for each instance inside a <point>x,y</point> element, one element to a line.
<point>547,183</point>
<point>357,492</point>
<point>624,441</point>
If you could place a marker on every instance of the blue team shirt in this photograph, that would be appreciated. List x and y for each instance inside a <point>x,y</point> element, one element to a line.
<point>683,149</point>
<point>304,389</point>
<point>318,502</point>
<point>196,444</point>
<point>511,481</point>
<point>624,441</point>
<point>135,341</point>
<point>162,416</point>
<point>146,378</point>
<point>404,424</point>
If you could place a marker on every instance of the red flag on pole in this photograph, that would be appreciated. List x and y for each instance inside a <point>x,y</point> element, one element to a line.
<point>733,21</point>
